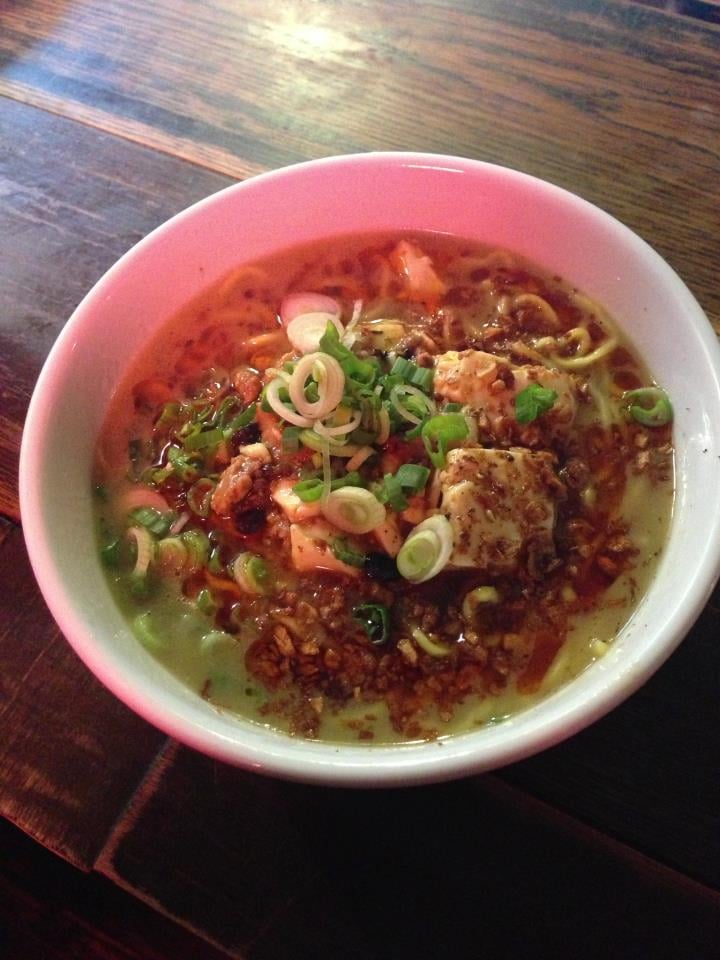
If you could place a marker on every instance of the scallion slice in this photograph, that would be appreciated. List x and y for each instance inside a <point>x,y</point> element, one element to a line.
<point>412,477</point>
<point>375,618</point>
<point>423,377</point>
<point>199,496</point>
<point>363,371</point>
<point>204,439</point>
<point>441,432</point>
<point>144,550</point>
<point>426,550</point>
<point>182,466</point>
<point>353,509</point>
<point>533,402</point>
<point>198,548</point>
<point>392,493</point>
<point>110,553</point>
<point>309,490</point>
<point>243,419</point>
<point>347,552</point>
<point>251,573</point>
<point>291,439</point>
<point>150,518</point>
<point>649,406</point>
<point>144,630</point>
<point>429,645</point>
<point>206,602</point>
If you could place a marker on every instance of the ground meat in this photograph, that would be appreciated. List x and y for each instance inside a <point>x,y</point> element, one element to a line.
<point>243,487</point>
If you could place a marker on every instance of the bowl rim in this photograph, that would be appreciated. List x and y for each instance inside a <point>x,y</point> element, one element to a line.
<point>320,762</point>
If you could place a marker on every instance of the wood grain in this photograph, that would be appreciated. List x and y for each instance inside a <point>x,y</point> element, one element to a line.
<point>649,772</point>
<point>271,870</point>
<point>102,105</point>
<point>50,911</point>
<point>63,222</point>
<point>70,754</point>
<point>612,100</point>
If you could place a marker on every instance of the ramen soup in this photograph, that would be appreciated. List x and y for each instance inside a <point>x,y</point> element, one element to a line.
<point>388,488</point>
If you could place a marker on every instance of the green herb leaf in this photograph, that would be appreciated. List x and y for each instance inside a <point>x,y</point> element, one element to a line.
<point>533,402</point>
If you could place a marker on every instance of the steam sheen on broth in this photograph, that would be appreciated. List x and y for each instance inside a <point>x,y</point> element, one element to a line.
<point>384,488</point>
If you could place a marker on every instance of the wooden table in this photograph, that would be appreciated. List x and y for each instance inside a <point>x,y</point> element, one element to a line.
<point>117,113</point>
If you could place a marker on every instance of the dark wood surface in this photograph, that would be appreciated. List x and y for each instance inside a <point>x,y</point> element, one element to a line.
<point>114,114</point>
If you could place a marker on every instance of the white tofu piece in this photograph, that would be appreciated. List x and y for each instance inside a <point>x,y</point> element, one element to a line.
<point>311,551</point>
<point>489,385</point>
<point>295,509</point>
<point>501,505</point>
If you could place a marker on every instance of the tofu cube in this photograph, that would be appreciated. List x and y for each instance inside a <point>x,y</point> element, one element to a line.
<point>489,385</point>
<point>501,505</point>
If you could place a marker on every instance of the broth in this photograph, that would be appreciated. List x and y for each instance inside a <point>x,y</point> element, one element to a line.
<point>465,527</point>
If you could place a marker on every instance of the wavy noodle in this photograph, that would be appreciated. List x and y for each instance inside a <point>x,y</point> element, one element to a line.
<point>533,354</point>
<point>591,309</point>
<point>581,363</point>
<point>582,338</point>
<point>328,277</point>
<point>533,301</point>
<point>251,314</point>
<point>465,266</point>
<point>248,276</point>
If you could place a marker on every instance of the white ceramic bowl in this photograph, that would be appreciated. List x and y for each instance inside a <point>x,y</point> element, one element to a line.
<point>318,199</point>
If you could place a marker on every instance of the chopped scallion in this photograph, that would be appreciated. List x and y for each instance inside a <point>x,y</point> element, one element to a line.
<point>353,367</point>
<point>243,419</point>
<point>251,573</point>
<point>110,553</point>
<point>412,477</point>
<point>423,377</point>
<point>533,402</point>
<point>426,550</point>
<point>150,518</point>
<point>204,439</point>
<point>199,496</point>
<point>198,546</point>
<point>429,645</point>
<point>291,439</point>
<point>347,552</point>
<point>375,618</point>
<point>440,432</point>
<point>649,406</point>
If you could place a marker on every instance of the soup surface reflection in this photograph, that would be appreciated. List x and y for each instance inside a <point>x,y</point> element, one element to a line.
<point>384,488</point>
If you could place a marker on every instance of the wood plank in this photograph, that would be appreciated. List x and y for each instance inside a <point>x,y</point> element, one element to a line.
<point>262,867</point>
<point>649,772</point>
<point>612,100</point>
<point>50,911</point>
<point>71,754</point>
<point>74,200</point>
